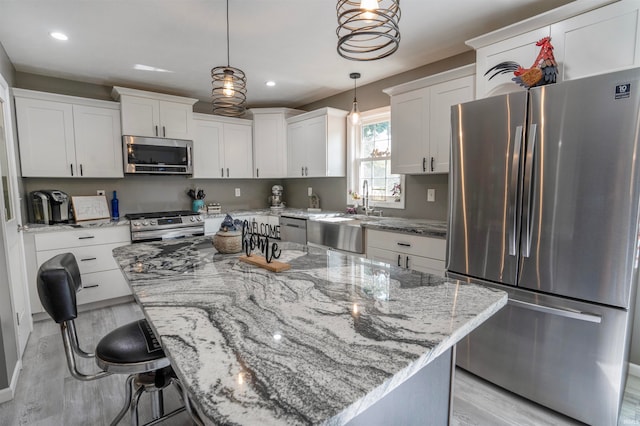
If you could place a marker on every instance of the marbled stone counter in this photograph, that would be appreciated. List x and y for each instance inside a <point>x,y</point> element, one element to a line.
<point>319,343</point>
<point>425,228</point>
<point>89,224</point>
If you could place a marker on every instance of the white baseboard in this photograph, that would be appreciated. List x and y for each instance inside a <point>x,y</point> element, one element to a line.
<point>634,369</point>
<point>7,394</point>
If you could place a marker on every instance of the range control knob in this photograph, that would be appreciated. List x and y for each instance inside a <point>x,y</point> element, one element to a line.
<point>152,222</point>
<point>193,219</point>
<point>145,223</point>
<point>136,223</point>
<point>199,218</point>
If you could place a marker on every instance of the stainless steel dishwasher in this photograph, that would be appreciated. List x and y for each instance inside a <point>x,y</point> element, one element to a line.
<point>293,229</point>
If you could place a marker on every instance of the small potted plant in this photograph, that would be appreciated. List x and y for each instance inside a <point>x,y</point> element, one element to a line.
<point>396,191</point>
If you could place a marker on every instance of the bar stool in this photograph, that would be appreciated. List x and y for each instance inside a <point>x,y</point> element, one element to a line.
<point>131,349</point>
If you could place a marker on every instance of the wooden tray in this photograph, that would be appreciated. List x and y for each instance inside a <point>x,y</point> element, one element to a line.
<point>260,261</point>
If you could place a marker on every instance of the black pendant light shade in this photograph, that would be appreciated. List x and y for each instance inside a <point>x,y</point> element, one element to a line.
<point>368,29</point>
<point>229,93</point>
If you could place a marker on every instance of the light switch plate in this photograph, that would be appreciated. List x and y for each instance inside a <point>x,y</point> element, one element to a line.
<point>100,192</point>
<point>431,194</point>
<point>237,192</point>
<point>309,191</point>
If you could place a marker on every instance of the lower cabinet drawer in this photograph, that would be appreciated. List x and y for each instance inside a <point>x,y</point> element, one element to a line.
<point>433,248</point>
<point>416,263</point>
<point>90,259</point>
<point>102,285</point>
<point>83,237</point>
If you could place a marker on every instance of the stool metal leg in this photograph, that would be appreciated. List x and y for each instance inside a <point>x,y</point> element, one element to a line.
<point>157,404</point>
<point>134,405</point>
<point>127,400</point>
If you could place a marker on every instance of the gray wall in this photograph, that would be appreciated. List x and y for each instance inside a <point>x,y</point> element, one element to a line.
<point>162,193</point>
<point>8,346</point>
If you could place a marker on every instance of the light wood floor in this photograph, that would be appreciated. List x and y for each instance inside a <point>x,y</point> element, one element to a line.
<point>47,395</point>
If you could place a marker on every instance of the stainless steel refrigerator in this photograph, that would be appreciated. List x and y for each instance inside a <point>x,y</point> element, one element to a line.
<point>544,203</point>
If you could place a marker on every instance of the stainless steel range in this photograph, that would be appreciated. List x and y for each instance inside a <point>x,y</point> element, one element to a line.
<point>165,225</point>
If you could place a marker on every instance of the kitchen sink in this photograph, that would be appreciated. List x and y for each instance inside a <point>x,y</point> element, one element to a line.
<point>338,232</point>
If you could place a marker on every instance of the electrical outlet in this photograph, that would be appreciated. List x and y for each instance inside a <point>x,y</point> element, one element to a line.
<point>237,192</point>
<point>431,194</point>
<point>309,191</point>
<point>100,192</point>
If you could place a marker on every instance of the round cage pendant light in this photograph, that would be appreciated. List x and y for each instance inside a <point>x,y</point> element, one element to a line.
<point>229,91</point>
<point>368,29</point>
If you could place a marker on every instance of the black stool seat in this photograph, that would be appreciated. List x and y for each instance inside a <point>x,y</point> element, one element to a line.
<point>130,349</point>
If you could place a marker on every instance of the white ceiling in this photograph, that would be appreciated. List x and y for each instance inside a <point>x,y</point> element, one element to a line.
<point>292,42</point>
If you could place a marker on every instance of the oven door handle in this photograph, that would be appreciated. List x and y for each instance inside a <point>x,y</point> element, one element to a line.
<point>164,234</point>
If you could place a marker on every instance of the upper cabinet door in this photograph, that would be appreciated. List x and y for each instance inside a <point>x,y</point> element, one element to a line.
<point>140,116</point>
<point>599,41</point>
<point>98,141</point>
<point>410,132</point>
<point>270,145</point>
<point>521,49</point>
<point>443,97</point>
<point>176,120</point>
<point>46,138</point>
<point>315,147</point>
<point>238,154</point>
<point>208,150</point>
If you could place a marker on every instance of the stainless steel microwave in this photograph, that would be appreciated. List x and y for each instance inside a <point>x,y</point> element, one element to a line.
<point>148,155</point>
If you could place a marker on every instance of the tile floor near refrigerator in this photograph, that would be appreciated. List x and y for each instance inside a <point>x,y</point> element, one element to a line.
<point>48,396</point>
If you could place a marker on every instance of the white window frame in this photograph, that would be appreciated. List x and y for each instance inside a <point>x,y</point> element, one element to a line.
<point>354,134</point>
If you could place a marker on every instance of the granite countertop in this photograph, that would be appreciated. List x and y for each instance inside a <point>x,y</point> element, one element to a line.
<point>319,343</point>
<point>90,224</point>
<point>421,227</point>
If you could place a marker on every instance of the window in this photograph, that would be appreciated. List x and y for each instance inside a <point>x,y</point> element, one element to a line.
<point>370,160</point>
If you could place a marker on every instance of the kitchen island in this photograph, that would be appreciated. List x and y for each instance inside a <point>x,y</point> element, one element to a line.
<point>335,340</point>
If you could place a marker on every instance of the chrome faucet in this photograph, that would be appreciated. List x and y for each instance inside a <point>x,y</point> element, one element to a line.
<point>365,197</point>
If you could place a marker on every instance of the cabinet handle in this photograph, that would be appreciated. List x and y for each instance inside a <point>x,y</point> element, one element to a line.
<point>86,259</point>
<point>91,286</point>
<point>398,260</point>
<point>404,244</point>
<point>164,132</point>
<point>424,164</point>
<point>86,238</point>
<point>156,130</point>
<point>81,171</point>
<point>406,262</point>
<point>306,171</point>
<point>71,169</point>
<point>432,161</point>
<point>222,172</point>
<point>227,172</point>
<point>257,173</point>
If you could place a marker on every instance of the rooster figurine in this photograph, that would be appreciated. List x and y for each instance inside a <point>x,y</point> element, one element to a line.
<point>543,71</point>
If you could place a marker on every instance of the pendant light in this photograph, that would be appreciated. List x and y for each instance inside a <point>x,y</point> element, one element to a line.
<point>229,87</point>
<point>355,112</point>
<point>368,29</point>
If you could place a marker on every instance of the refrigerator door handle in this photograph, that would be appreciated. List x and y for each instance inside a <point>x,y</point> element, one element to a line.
<point>582,316</point>
<point>513,191</point>
<point>528,187</point>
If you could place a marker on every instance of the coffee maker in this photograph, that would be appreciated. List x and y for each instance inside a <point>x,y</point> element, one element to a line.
<point>49,206</point>
<point>276,197</point>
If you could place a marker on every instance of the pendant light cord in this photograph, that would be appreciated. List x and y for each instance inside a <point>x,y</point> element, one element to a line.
<point>228,61</point>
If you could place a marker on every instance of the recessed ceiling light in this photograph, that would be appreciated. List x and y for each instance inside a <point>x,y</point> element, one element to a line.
<point>59,36</point>
<point>270,83</point>
<point>141,67</point>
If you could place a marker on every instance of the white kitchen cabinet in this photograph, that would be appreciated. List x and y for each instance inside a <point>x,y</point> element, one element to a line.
<point>65,136</point>
<point>270,141</point>
<point>589,37</point>
<point>421,123</point>
<point>101,276</point>
<point>316,143</point>
<point>596,42</point>
<point>222,147</point>
<point>418,253</point>
<point>155,114</point>
<point>521,49</point>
